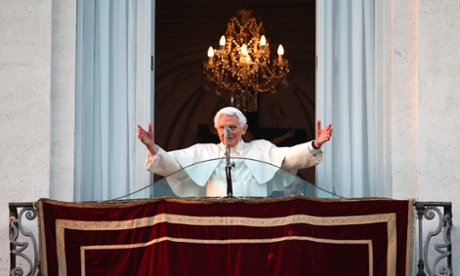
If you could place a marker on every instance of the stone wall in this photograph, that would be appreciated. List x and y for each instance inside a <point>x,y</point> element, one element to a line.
<point>37,90</point>
<point>425,73</point>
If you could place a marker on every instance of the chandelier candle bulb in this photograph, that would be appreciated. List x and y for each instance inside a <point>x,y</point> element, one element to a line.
<point>244,50</point>
<point>280,53</point>
<point>210,55</point>
<point>263,42</point>
<point>222,42</point>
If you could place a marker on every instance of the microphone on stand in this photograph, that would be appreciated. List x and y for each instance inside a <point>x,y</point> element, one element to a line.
<point>228,164</point>
<point>227,132</point>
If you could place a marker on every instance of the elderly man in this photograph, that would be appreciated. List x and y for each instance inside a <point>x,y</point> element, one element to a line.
<point>249,177</point>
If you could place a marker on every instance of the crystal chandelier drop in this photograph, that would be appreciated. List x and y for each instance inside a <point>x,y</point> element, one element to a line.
<point>241,68</point>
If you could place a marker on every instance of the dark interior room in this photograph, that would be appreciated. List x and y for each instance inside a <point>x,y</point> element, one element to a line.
<point>184,108</point>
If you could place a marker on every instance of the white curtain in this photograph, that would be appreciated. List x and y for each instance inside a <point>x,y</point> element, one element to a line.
<point>108,106</point>
<point>352,93</point>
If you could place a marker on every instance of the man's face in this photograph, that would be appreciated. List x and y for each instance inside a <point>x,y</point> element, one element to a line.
<point>234,124</point>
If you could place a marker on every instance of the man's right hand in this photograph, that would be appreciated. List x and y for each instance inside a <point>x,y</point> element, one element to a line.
<point>146,137</point>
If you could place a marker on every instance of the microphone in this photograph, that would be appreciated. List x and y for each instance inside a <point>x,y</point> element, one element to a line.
<point>228,165</point>
<point>227,132</point>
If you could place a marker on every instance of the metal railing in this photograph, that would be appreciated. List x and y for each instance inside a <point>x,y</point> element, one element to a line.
<point>440,227</point>
<point>434,249</point>
<point>23,259</point>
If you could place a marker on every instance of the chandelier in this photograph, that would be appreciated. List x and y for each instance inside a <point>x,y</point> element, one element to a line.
<point>241,68</point>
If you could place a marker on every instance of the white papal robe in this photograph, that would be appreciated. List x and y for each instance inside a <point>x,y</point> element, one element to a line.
<point>249,177</point>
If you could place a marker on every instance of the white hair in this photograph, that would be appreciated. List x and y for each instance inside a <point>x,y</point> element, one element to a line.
<point>229,110</point>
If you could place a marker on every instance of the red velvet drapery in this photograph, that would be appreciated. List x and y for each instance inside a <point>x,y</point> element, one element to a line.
<point>171,236</point>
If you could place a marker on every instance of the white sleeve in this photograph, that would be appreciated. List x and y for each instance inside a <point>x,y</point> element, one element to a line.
<point>162,163</point>
<point>312,150</point>
<point>302,156</point>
